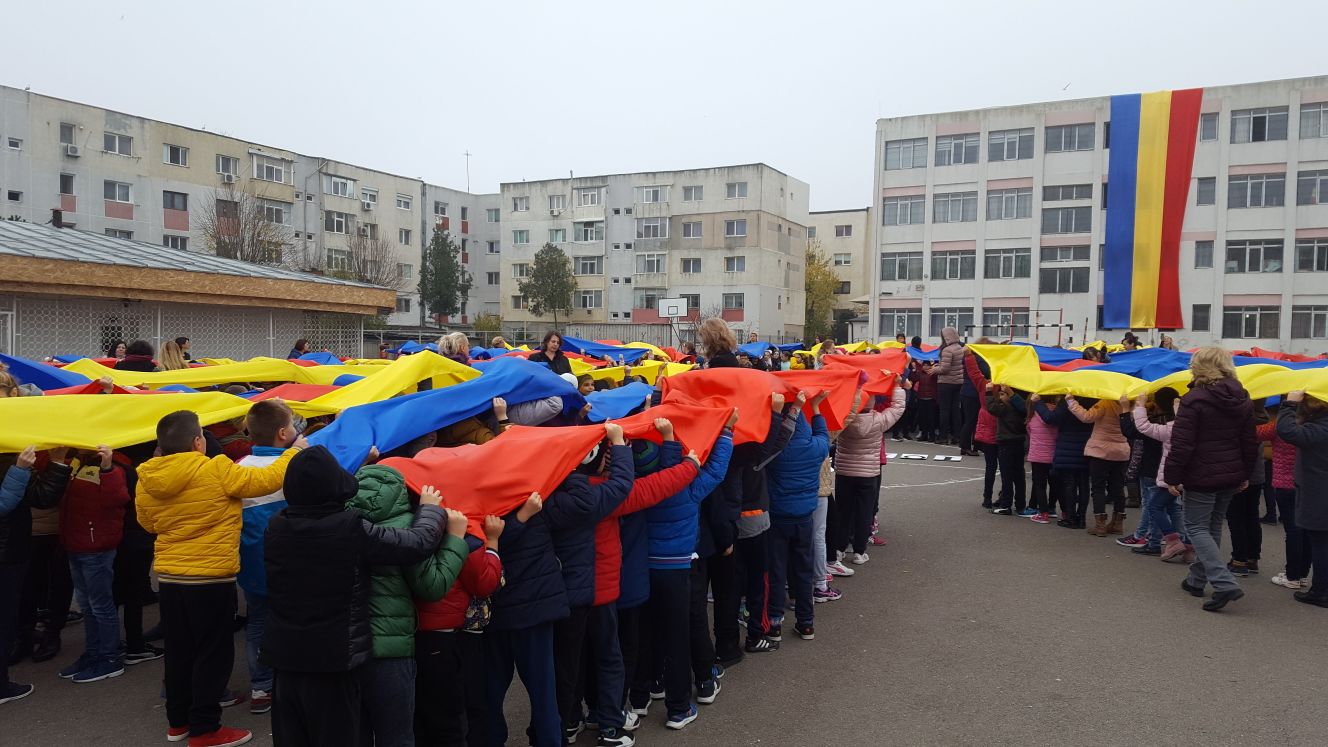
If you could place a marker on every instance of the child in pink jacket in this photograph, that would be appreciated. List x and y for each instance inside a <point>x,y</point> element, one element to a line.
<point>858,472</point>
<point>1041,453</point>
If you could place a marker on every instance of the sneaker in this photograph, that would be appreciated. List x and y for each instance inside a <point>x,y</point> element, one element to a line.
<point>987,505</point>
<point>80,665</point>
<point>1029,513</point>
<point>776,633</point>
<point>716,672</point>
<point>104,669</point>
<point>1238,568</point>
<point>615,738</point>
<point>805,631</point>
<point>230,698</point>
<point>14,691</point>
<point>1146,550</point>
<point>1268,519</point>
<point>226,736</point>
<point>1002,511</point>
<point>657,690</point>
<point>631,721</point>
<point>1282,580</point>
<point>681,720</point>
<point>638,710</point>
<point>707,691</point>
<point>1066,522</point>
<point>1041,517</point>
<point>860,558</point>
<point>177,733</point>
<point>153,634</point>
<point>760,645</point>
<point>729,659</point>
<point>149,653</point>
<point>260,701</point>
<point>876,540</point>
<point>1252,566</point>
<point>837,568</point>
<point>570,732</point>
<point>828,594</point>
<point>1130,540</point>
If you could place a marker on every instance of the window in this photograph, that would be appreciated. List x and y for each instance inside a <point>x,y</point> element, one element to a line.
<point>588,266</point>
<point>1312,255</point>
<point>521,204</point>
<point>587,197</point>
<point>14,143</point>
<point>955,265</point>
<point>1058,192</point>
<point>66,184</point>
<point>1067,220</point>
<point>557,235</point>
<point>1251,322</point>
<point>403,304</point>
<point>652,228</point>
<point>735,264</point>
<point>957,149</point>
<point>1104,195</point>
<point>14,195</point>
<point>843,231</point>
<point>734,301</point>
<point>521,237</point>
<point>1200,317</point>
<point>117,191</point>
<point>1065,254</point>
<point>403,236</point>
<point>901,265</point>
<point>338,185</point>
<point>647,264</point>
<point>590,299</point>
<point>275,212</point>
<point>121,144</point>
<point>338,259</point>
<point>464,211</point>
<point>905,321</point>
<point>1254,256</point>
<point>735,190</point>
<point>491,278</point>
<point>588,231</point>
<point>1257,126</point>
<point>1008,204</point>
<point>693,193</point>
<point>691,230</point>
<point>1203,255</point>
<point>493,247</point>
<point>175,155</point>
<point>1205,192</point>
<point>1010,145</point>
<point>228,165</point>
<point>906,154</point>
<point>955,207</point>
<point>335,222</point>
<point>1256,190</point>
<point>175,200</point>
<point>518,302</point>
<point>1063,138</point>
<point>405,271</point>
<point>1313,121</point>
<point>654,194</point>
<point>1309,322</point>
<point>1063,280</point>
<point>844,288</point>
<point>1005,322</point>
<point>403,202</point>
<point>959,318</point>
<point>229,209</point>
<point>270,170</point>
<point>691,265</point>
<point>119,233</point>
<point>1007,263</point>
<point>67,133</point>
<point>491,215</point>
<point>904,211</point>
<point>1312,187</point>
<point>520,269</point>
<point>1208,126</point>
<point>843,259</point>
<point>811,232</point>
<point>369,195</point>
<point>175,242</point>
<point>439,208</point>
<point>735,228</point>
<point>693,300</point>
<point>368,230</point>
<point>646,298</point>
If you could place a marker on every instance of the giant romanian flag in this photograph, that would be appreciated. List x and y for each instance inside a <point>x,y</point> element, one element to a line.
<point>1152,153</point>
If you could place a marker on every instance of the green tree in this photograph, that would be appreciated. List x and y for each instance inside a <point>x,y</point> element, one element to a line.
<point>444,283</point>
<point>549,287</point>
<point>488,323</point>
<point>821,284</point>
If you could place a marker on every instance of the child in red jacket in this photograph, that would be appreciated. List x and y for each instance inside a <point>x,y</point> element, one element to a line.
<point>449,681</point>
<point>91,525</point>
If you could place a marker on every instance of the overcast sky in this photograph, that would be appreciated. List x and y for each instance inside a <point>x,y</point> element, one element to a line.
<point>535,89</point>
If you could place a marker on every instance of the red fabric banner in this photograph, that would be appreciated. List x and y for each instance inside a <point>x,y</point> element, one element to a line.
<point>747,389</point>
<point>295,392</point>
<point>1182,132</point>
<point>842,383</point>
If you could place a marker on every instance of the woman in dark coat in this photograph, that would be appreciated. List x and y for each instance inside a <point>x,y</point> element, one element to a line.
<point>1303,421</point>
<point>138,357</point>
<point>550,354</point>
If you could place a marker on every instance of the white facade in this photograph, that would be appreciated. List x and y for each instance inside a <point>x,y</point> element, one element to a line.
<point>961,238</point>
<point>844,236</point>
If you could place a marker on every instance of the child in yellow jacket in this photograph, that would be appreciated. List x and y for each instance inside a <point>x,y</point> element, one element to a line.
<point>193,505</point>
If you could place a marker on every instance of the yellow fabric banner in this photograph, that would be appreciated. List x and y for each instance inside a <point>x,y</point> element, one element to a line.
<point>84,421</point>
<point>253,370</point>
<point>402,375</point>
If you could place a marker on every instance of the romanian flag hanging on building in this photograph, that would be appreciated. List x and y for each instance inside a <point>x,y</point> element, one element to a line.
<point>1152,155</point>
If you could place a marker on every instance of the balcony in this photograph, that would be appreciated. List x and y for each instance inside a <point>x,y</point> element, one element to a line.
<point>732,315</point>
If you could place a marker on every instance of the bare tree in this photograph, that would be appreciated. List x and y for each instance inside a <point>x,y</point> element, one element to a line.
<point>371,260</point>
<point>241,225</point>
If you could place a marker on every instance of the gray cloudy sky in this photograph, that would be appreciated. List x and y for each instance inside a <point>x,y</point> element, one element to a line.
<point>535,89</point>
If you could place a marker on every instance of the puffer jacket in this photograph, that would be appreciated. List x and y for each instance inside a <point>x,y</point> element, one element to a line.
<point>633,529</point>
<point>986,430</point>
<point>1311,441</point>
<point>192,504</point>
<point>1041,441</point>
<point>534,592</point>
<point>1156,432</point>
<point>43,490</point>
<point>45,522</point>
<point>468,431</point>
<point>1212,438</point>
<point>926,382</point>
<point>673,525</point>
<point>93,509</point>
<point>795,475</point>
<point>382,499</point>
<point>1071,436</point>
<point>1010,420</point>
<point>744,486</point>
<point>1106,442</point>
<point>574,511</point>
<point>1284,456</point>
<point>480,578</point>
<point>949,368</point>
<point>858,451</point>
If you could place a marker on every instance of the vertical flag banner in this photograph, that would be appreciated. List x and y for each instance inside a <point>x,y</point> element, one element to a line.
<point>1148,183</point>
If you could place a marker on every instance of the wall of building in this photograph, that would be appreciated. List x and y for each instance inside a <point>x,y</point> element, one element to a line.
<point>844,236</point>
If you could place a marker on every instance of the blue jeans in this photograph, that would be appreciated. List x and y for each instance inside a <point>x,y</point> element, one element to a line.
<point>92,573</point>
<point>387,692</point>
<point>1205,514</point>
<point>1163,513</point>
<point>260,677</point>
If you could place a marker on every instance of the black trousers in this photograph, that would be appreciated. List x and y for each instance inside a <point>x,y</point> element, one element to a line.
<point>1074,492</point>
<point>569,637</point>
<point>971,406</point>
<point>927,416</point>
<point>1243,522</point>
<point>602,668</point>
<point>199,625</point>
<point>631,633</point>
<point>449,689</point>
<point>702,648</point>
<point>310,709</point>
<point>133,562</point>
<point>856,499</point>
<point>1108,482</point>
<point>1299,556</point>
<point>754,562</point>
<point>11,589</point>
<point>48,587</point>
<point>1046,491</point>
<point>725,586</point>
<point>991,459</point>
<point>670,644</point>
<point>904,426</point>
<point>1010,458</point>
<point>952,417</point>
<point>1318,539</point>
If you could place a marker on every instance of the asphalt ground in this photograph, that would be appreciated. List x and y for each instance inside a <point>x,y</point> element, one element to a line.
<point>967,628</point>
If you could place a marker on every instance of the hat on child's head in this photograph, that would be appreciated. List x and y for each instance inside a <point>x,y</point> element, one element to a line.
<point>569,378</point>
<point>645,457</point>
<point>314,478</point>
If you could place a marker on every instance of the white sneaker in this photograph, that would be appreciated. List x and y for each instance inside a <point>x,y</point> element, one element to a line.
<point>837,568</point>
<point>1282,580</point>
<point>631,721</point>
<point>860,558</point>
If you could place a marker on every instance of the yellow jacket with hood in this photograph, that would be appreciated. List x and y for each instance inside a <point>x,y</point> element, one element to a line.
<point>192,503</point>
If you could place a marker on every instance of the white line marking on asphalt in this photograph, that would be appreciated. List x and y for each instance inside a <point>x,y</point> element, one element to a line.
<point>931,484</point>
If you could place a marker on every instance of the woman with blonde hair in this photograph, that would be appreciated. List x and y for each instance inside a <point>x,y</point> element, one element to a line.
<point>717,343</point>
<point>499,342</point>
<point>456,347</point>
<point>172,357</point>
<point>1212,455</point>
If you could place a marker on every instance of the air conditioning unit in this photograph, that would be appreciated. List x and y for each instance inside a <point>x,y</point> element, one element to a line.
<point>228,178</point>
<point>366,205</point>
<point>555,212</point>
<point>72,150</point>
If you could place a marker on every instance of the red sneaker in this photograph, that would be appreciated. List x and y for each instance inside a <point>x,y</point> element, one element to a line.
<point>226,736</point>
<point>1040,518</point>
<point>177,733</point>
<point>876,540</point>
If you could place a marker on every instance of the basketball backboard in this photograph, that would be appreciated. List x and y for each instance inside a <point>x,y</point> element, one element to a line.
<point>672,308</point>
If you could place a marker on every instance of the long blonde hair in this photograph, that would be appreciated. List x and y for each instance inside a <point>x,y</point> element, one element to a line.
<point>456,344</point>
<point>1210,365</point>
<point>715,337</point>
<point>172,357</point>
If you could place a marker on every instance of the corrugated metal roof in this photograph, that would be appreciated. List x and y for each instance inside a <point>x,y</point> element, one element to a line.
<point>19,239</point>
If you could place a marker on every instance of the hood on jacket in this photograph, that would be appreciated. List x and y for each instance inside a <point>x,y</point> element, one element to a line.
<point>802,435</point>
<point>314,478</point>
<point>171,474</point>
<point>1225,393</point>
<point>949,335</point>
<point>382,493</point>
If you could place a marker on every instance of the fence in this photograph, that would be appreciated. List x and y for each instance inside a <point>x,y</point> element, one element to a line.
<point>655,334</point>
<point>34,327</point>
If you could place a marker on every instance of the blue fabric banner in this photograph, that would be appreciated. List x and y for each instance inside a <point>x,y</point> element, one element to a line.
<point>600,350</point>
<point>611,404</point>
<point>323,358</point>
<point>41,375</point>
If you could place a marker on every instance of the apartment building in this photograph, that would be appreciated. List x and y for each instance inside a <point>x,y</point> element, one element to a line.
<point>472,220</point>
<point>730,240</point>
<point>995,219</point>
<point>844,237</point>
